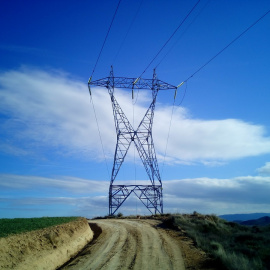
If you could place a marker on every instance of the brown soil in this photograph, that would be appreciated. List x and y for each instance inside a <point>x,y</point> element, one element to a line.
<point>44,249</point>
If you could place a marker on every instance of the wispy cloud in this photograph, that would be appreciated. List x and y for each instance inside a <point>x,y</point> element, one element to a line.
<point>71,184</point>
<point>265,170</point>
<point>6,147</point>
<point>52,110</point>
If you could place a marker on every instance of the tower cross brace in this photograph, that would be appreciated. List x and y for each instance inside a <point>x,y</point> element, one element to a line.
<point>150,195</point>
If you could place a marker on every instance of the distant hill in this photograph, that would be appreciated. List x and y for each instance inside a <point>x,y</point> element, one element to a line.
<point>263,221</point>
<point>244,217</point>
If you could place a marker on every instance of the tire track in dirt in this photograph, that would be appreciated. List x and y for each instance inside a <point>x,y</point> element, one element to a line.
<point>129,244</point>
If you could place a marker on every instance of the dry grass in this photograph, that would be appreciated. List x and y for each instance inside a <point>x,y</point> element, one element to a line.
<point>233,246</point>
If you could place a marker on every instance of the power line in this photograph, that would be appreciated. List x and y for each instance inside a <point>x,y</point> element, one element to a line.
<point>100,138</point>
<point>130,26</point>
<point>168,136</point>
<point>199,13</point>
<point>105,39</point>
<point>91,98</point>
<point>169,38</point>
<point>228,45</point>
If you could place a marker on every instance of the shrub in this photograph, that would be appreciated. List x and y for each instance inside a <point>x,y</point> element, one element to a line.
<point>119,215</point>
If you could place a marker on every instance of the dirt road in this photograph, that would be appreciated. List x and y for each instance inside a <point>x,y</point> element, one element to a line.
<point>130,244</point>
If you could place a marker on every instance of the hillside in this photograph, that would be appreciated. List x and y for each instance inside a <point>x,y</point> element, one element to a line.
<point>263,221</point>
<point>234,246</point>
<point>243,217</point>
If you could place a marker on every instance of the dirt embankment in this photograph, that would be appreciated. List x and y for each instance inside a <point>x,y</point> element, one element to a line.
<point>44,249</point>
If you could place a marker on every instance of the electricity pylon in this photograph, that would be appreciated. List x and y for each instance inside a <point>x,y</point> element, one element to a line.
<point>150,195</point>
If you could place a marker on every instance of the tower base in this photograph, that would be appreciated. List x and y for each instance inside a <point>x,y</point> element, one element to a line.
<point>150,196</point>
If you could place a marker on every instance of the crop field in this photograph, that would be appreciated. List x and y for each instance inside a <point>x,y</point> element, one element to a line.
<point>20,225</point>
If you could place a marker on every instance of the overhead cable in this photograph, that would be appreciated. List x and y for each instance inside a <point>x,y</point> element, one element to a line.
<point>99,133</point>
<point>169,39</point>
<point>105,39</point>
<point>195,18</point>
<point>129,28</point>
<point>221,51</point>
<point>91,98</point>
<point>168,136</point>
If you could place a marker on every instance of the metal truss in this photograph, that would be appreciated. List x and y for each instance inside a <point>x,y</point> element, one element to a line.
<point>150,195</point>
<point>132,83</point>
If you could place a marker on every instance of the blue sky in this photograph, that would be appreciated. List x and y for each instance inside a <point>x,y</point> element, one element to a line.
<point>218,153</point>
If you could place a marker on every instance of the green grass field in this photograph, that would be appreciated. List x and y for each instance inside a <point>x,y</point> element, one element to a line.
<point>20,225</point>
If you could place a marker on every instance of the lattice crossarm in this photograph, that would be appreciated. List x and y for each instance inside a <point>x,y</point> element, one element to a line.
<point>127,83</point>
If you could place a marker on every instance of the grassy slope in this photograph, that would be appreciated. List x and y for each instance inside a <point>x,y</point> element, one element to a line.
<point>235,247</point>
<point>20,225</point>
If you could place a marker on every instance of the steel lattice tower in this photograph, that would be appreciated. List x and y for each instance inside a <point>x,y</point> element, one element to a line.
<point>150,195</point>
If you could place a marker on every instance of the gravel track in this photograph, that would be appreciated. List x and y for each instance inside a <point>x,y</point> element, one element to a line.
<point>129,244</point>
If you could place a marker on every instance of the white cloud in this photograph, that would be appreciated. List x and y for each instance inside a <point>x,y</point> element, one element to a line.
<point>212,140</point>
<point>265,170</point>
<point>89,198</point>
<point>239,190</point>
<point>48,109</point>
